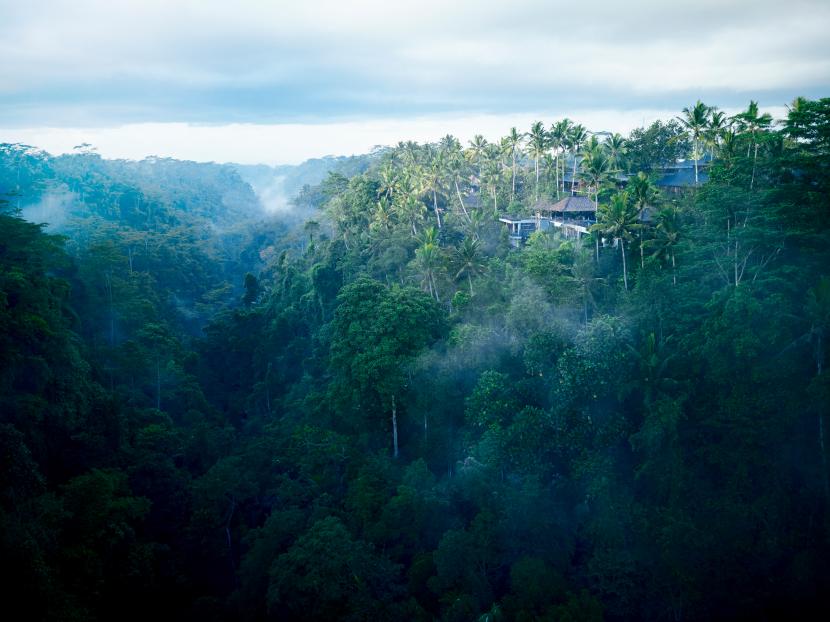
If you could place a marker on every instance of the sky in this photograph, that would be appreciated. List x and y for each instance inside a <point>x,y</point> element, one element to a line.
<point>281,81</point>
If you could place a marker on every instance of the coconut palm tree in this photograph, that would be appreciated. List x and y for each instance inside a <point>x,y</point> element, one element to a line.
<point>537,142</point>
<point>582,276</point>
<point>431,178</point>
<point>469,261</point>
<point>478,152</point>
<point>407,202</point>
<point>618,221</point>
<point>513,145</point>
<point>493,174</point>
<point>718,125</point>
<point>559,132</point>
<point>596,170</point>
<point>643,194</point>
<point>668,235</point>
<point>696,120</point>
<point>751,121</point>
<point>455,166</point>
<point>575,141</point>
<point>428,261</point>
<point>617,147</point>
<point>388,178</point>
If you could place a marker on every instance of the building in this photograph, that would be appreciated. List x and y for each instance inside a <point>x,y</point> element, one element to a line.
<point>519,228</point>
<point>681,174</point>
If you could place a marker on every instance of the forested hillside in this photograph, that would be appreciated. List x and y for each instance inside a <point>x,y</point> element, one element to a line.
<point>386,411</point>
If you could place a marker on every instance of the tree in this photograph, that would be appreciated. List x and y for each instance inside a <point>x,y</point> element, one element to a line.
<point>328,575</point>
<point>751,121</point>
<point>469,261</point>
<point>645,195</point>
<point>696,121</point>
<point>512,145</point>
<point>617,148</point>
<point>538,143</point>
<point>375,335</point>
<point>478,152</point>
<point>667,238</point>
<point>577,135</point>
<point>559,133</point>
<point>617,221</point>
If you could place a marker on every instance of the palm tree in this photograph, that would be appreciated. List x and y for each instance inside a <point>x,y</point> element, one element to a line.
<point>667,236</point>
<point>617,221</point>
<point>428,260</point>
<point>513,143</point>
<point>407,202</point>
<point>582,275</point>
<point>478,150</point>
<point>644,194</point>
<point>388,177</point>
<point>383,215</point>
<point>559,132</point>
<point>750,121</point>
<point>549,165</point>
<point>493,173</point>
<point>431,177</point>
<point>575,140</point>
<point>617,148</point>
<point>718,125</point>
<point>696,120</point>
<point>596,170</point>
<point>469,261</point>
<point>538,142</point>
<point>455,165</point>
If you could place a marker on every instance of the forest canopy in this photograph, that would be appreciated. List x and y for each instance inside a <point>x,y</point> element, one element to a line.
<point>383,403</point>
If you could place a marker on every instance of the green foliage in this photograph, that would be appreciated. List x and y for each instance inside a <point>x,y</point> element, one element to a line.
<point>196,405</point>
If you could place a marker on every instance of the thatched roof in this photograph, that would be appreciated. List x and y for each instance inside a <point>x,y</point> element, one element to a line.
<point>572,205</point>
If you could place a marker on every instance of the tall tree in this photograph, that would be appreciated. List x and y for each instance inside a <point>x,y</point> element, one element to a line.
<point>538,143</point>
<point>751,121</point>
<point>469,261</point>
<point>696,121</point>
<point>577,136</point>
<point>618,221</point>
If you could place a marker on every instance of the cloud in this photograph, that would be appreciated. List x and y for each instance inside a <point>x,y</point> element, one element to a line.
<point>109,62</point>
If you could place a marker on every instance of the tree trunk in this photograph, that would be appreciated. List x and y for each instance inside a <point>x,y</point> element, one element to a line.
<point>537,179</point>
<point>625,272</point>
<point>394,428</point>
<point>513,190</point>
<point>754,161</point>
<point>460,200</point>
<point>696,147</point>
<point>673,269</point>
<point>573,177</point>
<point>435,207</point>
<point>470,280</point>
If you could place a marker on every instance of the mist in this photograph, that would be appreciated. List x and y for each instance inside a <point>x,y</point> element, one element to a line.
<point>53,209</point>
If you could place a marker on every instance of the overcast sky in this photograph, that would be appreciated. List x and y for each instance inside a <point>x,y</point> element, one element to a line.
<point>279,81</point>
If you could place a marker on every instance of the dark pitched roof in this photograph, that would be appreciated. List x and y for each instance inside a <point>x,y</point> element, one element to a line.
<point>574,204</point>
<point>542,205</point>
<point>681,179</point>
